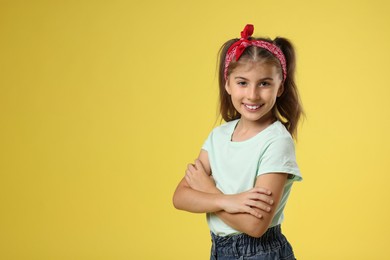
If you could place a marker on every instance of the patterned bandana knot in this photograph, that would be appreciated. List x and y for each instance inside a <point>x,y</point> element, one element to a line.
<point>237,48</point>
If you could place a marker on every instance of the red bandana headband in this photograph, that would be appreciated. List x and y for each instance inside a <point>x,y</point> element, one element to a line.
<point>237,48</point>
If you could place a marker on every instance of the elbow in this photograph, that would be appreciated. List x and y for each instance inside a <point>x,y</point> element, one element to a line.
<point>178,198</point>
<point>256,232</point>
<point>257,229</point>
<point>177,202</point>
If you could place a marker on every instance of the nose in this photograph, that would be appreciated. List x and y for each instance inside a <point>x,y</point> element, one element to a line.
<point>253,93</point>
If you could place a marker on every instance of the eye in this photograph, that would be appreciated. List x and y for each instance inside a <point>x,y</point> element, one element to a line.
<point>242,83</point>
<point>264,84</point>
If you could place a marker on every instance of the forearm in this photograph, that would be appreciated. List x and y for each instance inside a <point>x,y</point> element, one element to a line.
<point>245,223</point>
<point>188,199</point>
<point>198,193</point>
<point>185,198</point>
<point>249,224</point>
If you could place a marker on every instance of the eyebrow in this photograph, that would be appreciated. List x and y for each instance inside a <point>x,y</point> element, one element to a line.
<point>267,78</point>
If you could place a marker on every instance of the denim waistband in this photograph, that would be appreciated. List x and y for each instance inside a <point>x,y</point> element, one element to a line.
<point>242,244</point>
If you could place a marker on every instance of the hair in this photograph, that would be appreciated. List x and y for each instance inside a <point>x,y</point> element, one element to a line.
<point>288,108</point>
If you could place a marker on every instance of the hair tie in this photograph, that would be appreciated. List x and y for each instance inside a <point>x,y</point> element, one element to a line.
<point>237,48</point>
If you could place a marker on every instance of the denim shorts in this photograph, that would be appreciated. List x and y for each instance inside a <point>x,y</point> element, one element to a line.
<point>273,245</point>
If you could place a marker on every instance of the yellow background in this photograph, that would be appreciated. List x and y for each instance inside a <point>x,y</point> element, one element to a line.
<point>103,103</point>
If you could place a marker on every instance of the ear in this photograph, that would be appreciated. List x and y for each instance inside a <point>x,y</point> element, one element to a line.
<point>281,89</point>
<point>227,87</point>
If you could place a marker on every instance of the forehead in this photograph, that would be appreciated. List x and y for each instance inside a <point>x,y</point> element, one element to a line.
<point>258,67</point>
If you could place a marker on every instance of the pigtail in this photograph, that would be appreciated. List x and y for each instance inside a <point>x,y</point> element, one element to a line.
<point>227,110</point>
<point>288,106</point>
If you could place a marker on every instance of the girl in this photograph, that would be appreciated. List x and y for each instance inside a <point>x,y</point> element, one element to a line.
<point>246,168</point>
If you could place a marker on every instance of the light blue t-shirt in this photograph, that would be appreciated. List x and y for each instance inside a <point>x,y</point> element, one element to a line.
<point>235,166</point>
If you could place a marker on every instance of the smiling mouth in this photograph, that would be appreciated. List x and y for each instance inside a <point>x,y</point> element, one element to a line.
<point>252,107</point>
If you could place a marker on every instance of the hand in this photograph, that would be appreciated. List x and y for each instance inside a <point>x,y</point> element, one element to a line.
<point>253,201</point>
<point>198,179</point>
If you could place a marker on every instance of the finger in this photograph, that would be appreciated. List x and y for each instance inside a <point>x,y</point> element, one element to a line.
<point>261,190</point>
<point>187,178</point>
<point>198,164</point>
<point>259,205</point>
<point>254,212</point>
<point>260,197</point>
<point>264,198</point>
<point>188,174</point>
<point>191,167</point>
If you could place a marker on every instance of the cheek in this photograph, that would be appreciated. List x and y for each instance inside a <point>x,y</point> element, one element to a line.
<point>270,97</point>
<point>235,93</point>
<point>270,94</point>
<point>236,98</point>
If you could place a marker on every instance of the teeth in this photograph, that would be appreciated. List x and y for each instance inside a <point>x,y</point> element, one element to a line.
<point>252,107</point>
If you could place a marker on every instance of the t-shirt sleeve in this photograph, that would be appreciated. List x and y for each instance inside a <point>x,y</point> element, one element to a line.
<point>207,144</point>
<point>279,156</point>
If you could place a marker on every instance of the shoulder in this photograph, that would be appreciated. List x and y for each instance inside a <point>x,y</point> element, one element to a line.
<point>219,135</point>
<point>277,141</point>
<point>225,128</point>
<point>279,153</point>
<point>277,133</point>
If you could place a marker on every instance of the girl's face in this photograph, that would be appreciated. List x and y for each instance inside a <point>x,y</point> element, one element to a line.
<point>254,87</point>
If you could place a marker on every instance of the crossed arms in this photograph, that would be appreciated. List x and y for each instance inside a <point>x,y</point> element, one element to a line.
<point>250,212</point>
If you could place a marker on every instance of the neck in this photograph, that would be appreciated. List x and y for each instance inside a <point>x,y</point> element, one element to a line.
<point>257,126</point>
<point>246,129</point>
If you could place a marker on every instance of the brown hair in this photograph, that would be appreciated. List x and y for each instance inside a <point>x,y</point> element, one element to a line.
<point>288,108</point>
